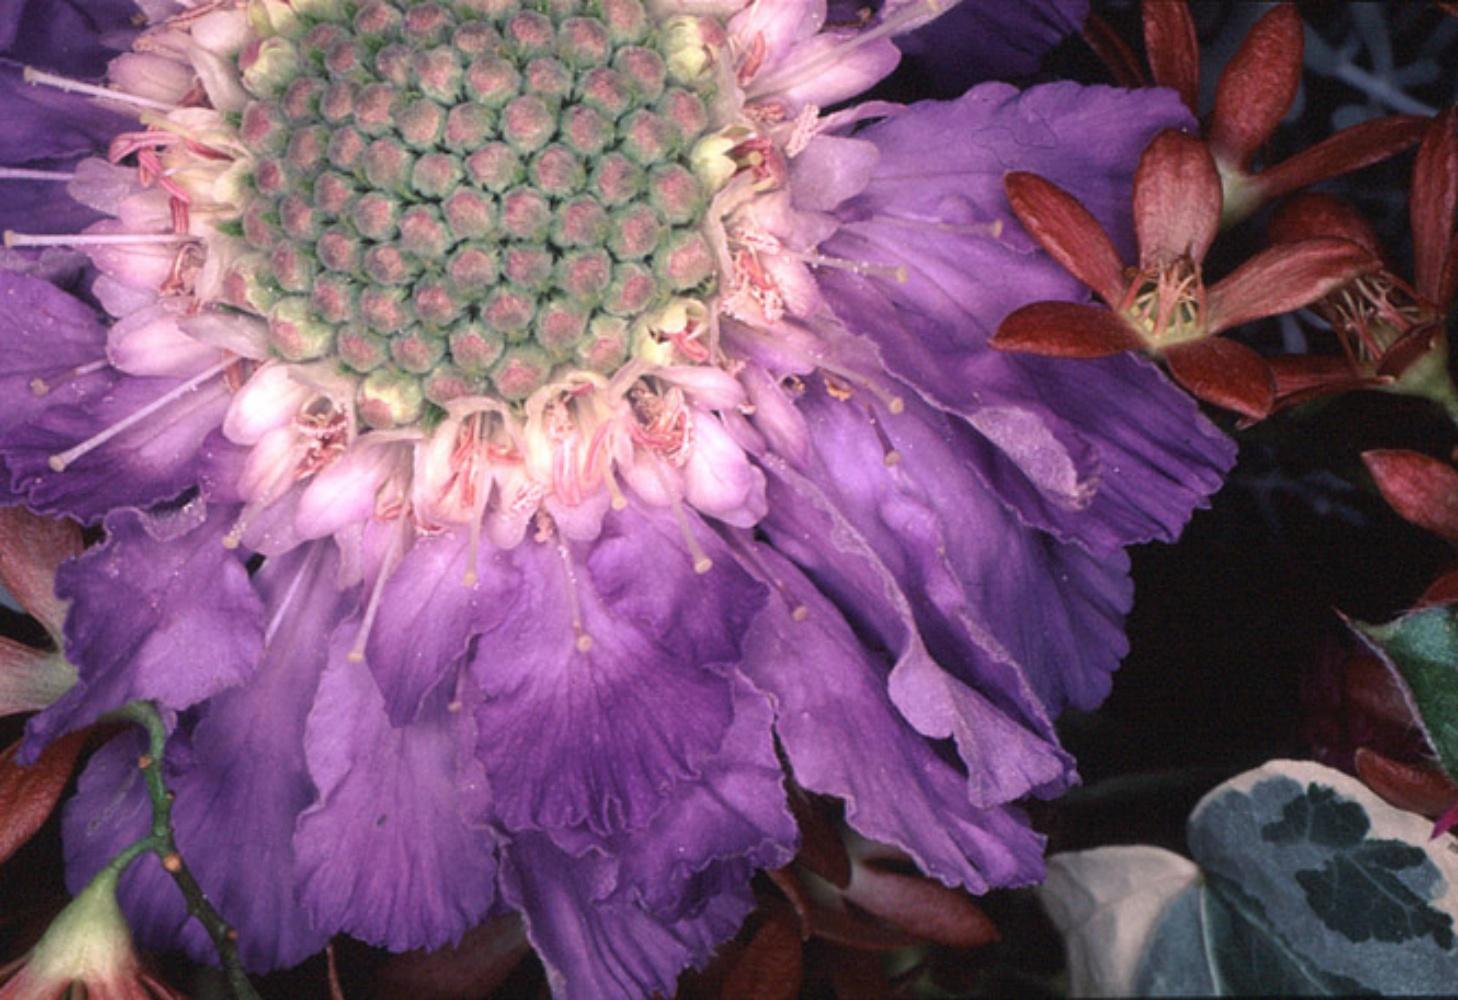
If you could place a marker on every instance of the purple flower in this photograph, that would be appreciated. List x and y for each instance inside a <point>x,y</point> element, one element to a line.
<point>605,414</point>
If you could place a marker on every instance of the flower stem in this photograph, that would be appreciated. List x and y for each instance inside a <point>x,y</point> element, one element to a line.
<point>160,841</point>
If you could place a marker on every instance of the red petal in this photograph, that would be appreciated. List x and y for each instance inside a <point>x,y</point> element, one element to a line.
<point>1423,790</point>
<point>28,794</point>
<point>1312,215</point>
<point>1408,348</point>
<point>31,548</point>
<point>1117,58</point>
<point>1068,232</point>
<point>1257,87</point>
<point>1172,49</point>
<point>1225,373</point>
<point>1301,378</point>
<point>1065,330</point>
<point>1434,199</point>
<point>771,965</point>
<point>1284,277</point>
<point>1350,149</point>
<point>1420,488</point>
<point>822,850</point>
<point>923,907</point>
<point>1176,199</point>
<point>475,967</point>
<point>1443,590</point>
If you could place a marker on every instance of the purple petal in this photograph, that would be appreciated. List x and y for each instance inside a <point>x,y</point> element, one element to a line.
<point>717,831</point>
<point>395,851</point>
<point>74,37</point>
<point>44,334</point>
<point>43,206</point>
<point>161,611</point>
<point>597,738</point>
<point>605,951</point>
<point>428,616</point>
<point>155,458</point>
<point>843,737</point>
<point>41,123</point>
<point>241,782</point>
<point>950,227</point>
<point>976,41</point>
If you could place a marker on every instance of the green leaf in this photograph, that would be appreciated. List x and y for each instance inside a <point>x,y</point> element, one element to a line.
<point>1421,647</point>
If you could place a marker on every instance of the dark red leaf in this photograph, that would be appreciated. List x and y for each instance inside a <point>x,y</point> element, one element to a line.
<point>28,794</point>
<point>31,548</point>
<point>771,966</point>
<point>1284,277</point>
<point>1373,691</point>
<point>1177,199</point>
<point>1301,378</point>
<point>1311,215</point>
<point>857,975</point>
<point>1350,149</point>
<point>1434,200</point>
<point>468,971</point>
<point>1257,87</point>
<point>1409,348</point>
<point>922,907</point>
<point>1443,590</point>
<point>1414,788</point>
<point>822,850</point>
<point>1172,49</point>
<point>1225,373</point>
<point>1113,53</point>
<point>1420,488</point>
<point>1065,330</point>
<point>1068,232</point>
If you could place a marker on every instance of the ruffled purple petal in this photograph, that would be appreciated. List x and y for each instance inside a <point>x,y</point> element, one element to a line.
<point>41,123</point>
<point>1103,475</point>
<point>843,737</point>
<point>717,831</point>
<point>161,611</point>
<point>971,568</point>
<point>429,615</point>
<point>395,851</point>
<point>605,951</point>
<point>74,37</point>
<point>241,782</point>
<point>595,732</point>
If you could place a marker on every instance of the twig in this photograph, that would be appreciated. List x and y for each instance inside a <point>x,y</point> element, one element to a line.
<point>160,841</point>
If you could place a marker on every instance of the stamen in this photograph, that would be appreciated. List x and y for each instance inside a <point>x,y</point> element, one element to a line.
<point>32,75</point>
<point>894,404</point>
<point>17,174</point>
<point>702,563</point>
<point>14,239</point>
<point>362,637</point>
<point>798,611</point>
<point>788,77</point>
<point>619,502</point>
<point>58,463</point>
<point>890,455</point>
<point>574,606</point>
<point>41,387</point>
<point>891,272</point>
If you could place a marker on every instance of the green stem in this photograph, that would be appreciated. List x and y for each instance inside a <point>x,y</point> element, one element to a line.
<point>160,842</point>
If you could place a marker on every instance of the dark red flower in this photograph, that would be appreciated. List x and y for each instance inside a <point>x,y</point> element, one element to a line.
<point>1255,91</point>
<point>1162,306</point>
<point>1391,332</point>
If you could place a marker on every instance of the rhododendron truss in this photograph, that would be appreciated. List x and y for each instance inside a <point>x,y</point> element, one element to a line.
<point>524,436</point>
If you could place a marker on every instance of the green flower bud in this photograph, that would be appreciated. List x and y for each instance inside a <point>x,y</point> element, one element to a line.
<point>388,397</point>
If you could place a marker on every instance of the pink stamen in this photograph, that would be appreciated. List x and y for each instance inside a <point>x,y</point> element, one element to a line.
<point>33,76</point>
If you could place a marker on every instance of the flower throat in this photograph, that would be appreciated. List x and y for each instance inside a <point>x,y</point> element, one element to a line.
<point>466,198</point>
